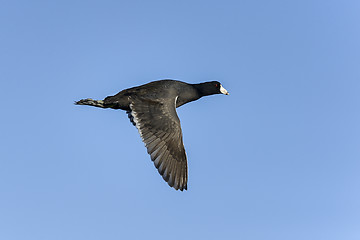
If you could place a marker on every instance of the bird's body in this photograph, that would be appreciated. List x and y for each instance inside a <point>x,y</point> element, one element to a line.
<point>152,109</point>
<point>163,89</point>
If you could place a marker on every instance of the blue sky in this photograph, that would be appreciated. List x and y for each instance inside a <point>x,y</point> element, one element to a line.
<point>277,159</point>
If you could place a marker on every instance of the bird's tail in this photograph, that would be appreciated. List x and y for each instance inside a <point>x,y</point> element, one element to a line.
<point>91,102</point>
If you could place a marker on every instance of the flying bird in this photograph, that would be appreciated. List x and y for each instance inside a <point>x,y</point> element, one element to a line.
<point>152,110</point>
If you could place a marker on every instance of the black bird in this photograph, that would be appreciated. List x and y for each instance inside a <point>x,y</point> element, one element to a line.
<point>152,109</point>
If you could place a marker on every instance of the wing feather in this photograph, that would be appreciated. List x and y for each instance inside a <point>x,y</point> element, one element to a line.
<point>160,130</point>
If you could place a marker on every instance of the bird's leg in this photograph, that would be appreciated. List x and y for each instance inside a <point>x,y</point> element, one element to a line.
<point>91,102</point>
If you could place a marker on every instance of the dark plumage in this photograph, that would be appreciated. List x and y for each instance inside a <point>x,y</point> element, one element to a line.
<point>152,109</point>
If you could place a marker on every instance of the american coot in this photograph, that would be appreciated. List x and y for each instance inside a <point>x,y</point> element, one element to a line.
<point>152,109</point>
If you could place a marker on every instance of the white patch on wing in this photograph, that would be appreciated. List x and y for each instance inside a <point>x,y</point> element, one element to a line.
<point>136,120</point>
<point>223,90</point>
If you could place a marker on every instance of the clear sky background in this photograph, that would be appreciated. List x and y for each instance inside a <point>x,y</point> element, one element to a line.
<point>277,159</point>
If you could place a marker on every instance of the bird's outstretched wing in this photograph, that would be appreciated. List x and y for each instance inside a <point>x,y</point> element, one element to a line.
<point>160,130</point>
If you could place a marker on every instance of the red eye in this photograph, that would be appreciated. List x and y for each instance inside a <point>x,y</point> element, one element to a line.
<point>216,85</point>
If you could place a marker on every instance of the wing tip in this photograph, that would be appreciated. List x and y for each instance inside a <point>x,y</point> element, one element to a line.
<point>177,187</point>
